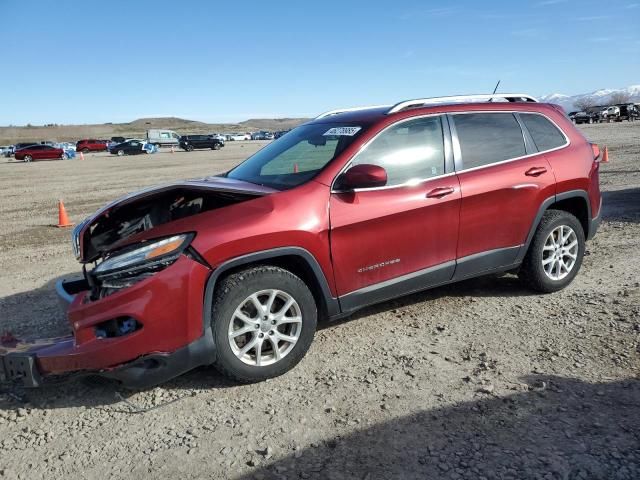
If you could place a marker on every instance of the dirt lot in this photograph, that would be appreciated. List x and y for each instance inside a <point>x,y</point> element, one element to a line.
<point>480,380</point>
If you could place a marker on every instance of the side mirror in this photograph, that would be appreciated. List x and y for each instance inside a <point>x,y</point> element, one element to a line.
<point>362,176</point>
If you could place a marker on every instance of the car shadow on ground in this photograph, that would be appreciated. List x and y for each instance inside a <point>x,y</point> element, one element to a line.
<point>621,205</point>
<point>558,428</point>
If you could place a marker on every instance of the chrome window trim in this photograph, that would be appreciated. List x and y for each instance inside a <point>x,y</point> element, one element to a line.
<point>457,152</point>
<point>447,160</point>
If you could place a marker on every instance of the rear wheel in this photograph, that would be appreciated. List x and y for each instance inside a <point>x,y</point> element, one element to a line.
<point>189,148</point>
<point>264,320</point>
<point>85,150</point>
<point>120,153</point>
<point>216,146</point>
<point>28,158</point>
<point>555,254</point>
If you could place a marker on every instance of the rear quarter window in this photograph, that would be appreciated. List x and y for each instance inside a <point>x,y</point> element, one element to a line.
<point>545,134</point>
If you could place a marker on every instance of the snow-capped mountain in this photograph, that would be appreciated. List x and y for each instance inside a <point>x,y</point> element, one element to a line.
<point>599,97</point>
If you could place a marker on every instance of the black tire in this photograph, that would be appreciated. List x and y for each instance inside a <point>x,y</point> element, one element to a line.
<point>120,153</point>
<point>532,272</point>
<point>216,146</point>
<point>85,150</point>
<point>232,292</point>
<point>189,148</point>
<point>28,158</point>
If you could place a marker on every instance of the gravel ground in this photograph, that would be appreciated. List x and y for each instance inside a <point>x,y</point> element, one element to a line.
<point>479,380</point>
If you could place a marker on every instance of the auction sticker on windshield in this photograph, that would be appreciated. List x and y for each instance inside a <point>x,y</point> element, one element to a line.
<point>342,131</point>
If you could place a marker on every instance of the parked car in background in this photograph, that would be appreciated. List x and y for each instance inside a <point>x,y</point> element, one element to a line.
<point>163,138</point>
<point>219,136</point>
<point>192,142</point>
<point>236,137</point>
<point>69,149</point>
<point>262,135</point>
<point>117,140</point>
<point>39,152</point>
<point>280,133</point>
<point>132,147</point>
<point>628,111</point>
<point>583,117</point>
<point>610,114</point>
<point>91,145</point>
<point>21,145</point>
<point>65,146</point>
<point>6,150</point>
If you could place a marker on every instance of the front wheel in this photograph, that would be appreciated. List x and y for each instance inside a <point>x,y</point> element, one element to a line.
<point>263,320</point>
<point>28,158</point>
<point>85,150</point>
<point>120,153</point>
<point>216,146</point>
<point>555,254</point>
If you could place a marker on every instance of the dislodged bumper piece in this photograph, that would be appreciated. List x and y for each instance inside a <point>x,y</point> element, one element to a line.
<point>18,360</point>
<point>169,337</point>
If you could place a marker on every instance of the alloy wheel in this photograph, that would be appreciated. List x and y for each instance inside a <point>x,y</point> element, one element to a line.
<point>560,252</point>
<point>265,327</point>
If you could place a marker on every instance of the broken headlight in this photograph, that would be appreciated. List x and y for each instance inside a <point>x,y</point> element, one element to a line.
<point>135,264</point>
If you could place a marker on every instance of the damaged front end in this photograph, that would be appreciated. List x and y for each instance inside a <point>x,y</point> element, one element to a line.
<point>136,314</point>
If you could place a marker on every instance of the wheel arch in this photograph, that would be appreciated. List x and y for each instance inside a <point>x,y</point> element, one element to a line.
<point>295,259</point>
<point>575,202</point>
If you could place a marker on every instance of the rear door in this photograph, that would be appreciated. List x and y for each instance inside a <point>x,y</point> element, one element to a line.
<point>393,239</point>
<point>503,180</point>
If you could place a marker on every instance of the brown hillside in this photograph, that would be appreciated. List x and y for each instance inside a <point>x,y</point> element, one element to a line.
<point>138,128</point>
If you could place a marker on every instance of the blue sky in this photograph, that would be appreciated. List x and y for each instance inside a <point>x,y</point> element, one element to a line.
<point>85,61</point>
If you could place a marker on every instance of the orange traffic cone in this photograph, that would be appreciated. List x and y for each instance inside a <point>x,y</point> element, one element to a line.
<point>81,156</point>
<point>605,155</point>
<point>295,168</point>
<point>63,218</point>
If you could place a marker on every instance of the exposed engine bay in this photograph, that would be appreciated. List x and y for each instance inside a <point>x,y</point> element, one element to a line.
<point>151,210</point>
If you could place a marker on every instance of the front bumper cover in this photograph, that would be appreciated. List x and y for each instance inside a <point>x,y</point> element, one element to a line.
<point>173,340</point>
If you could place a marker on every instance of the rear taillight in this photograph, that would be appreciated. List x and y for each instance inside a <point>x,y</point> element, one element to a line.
<point>596,151</point>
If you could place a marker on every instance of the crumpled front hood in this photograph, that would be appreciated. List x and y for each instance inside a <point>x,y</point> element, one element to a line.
<point>145,210</point>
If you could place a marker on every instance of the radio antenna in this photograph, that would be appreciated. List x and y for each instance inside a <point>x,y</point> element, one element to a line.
<point>495,90</point>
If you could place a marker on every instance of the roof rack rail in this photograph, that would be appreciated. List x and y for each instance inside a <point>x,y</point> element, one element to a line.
<point>511,97</point>
<point>354,109</point>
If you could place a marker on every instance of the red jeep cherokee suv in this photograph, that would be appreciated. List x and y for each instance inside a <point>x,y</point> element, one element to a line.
<point>352,208</point>
<point>86,146</point>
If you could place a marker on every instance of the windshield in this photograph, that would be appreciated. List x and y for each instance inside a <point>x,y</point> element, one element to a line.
<point>296,157</point>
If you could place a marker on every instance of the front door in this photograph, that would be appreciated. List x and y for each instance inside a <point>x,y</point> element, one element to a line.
<point>403,236</point>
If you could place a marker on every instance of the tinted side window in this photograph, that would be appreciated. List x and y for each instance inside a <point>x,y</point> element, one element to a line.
<point>408,151</point>
<point>545,134</point>
<point>487,138</point>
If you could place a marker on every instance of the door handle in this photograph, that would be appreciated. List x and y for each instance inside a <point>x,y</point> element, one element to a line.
<point>535,171</point>
<point>440,192</point>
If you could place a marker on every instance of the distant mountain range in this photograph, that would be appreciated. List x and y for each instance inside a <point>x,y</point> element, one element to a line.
<point>604,96</point>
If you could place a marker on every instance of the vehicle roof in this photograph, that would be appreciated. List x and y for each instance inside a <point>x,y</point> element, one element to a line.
<point>373,115</point>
